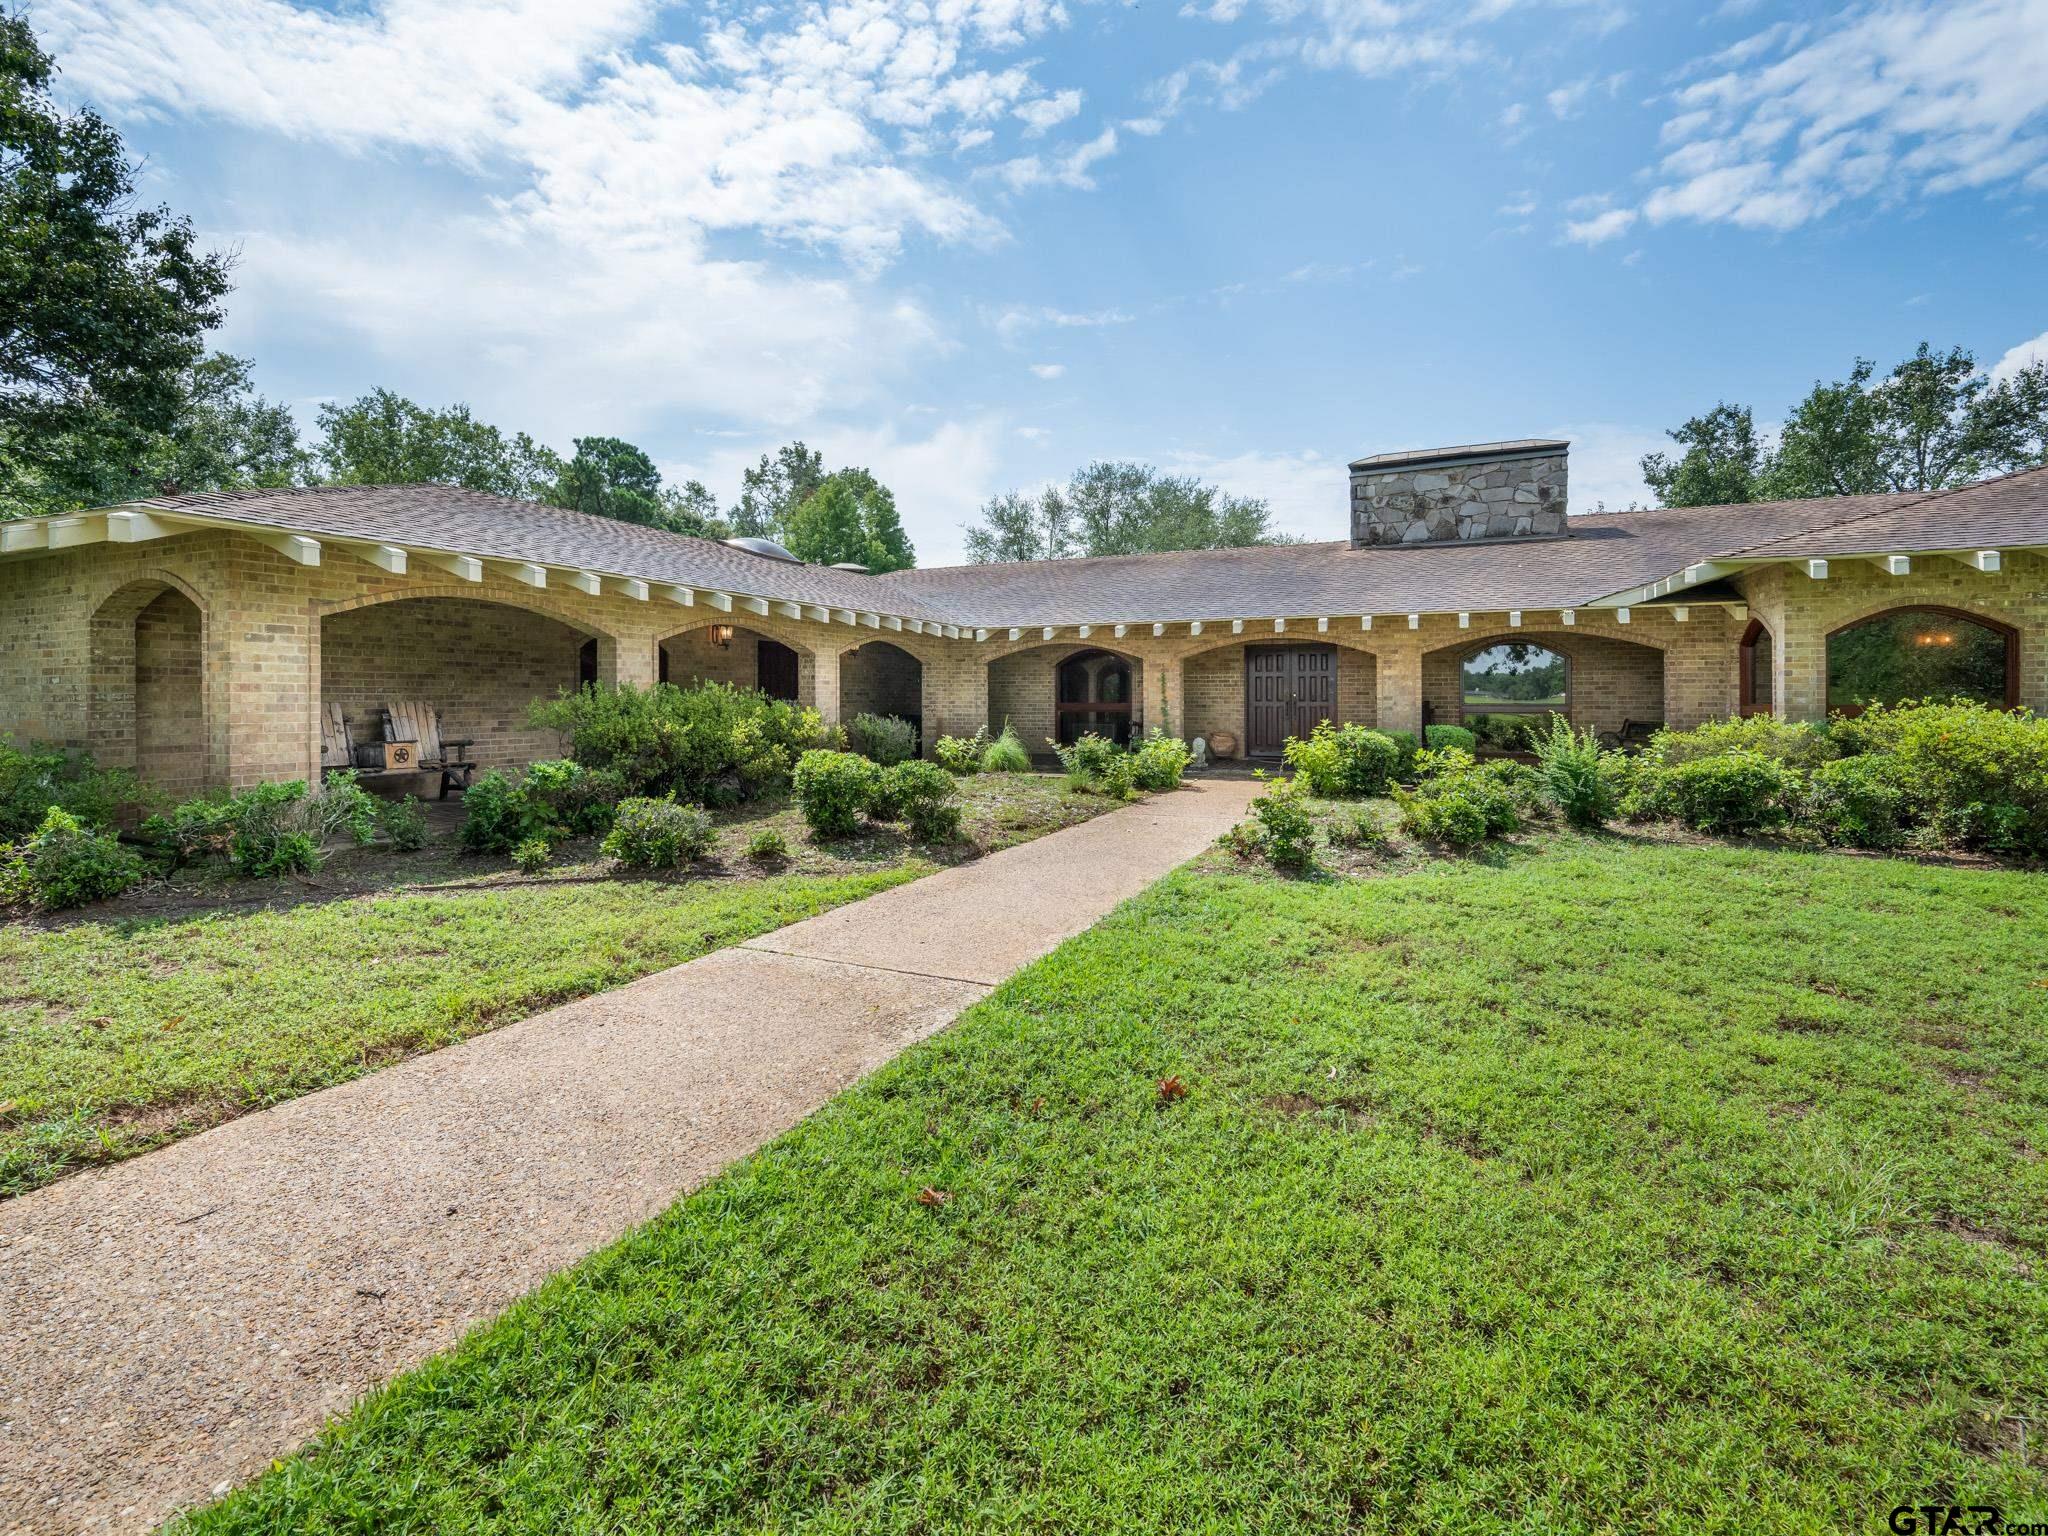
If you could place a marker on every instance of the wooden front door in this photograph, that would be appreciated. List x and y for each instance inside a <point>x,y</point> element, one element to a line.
<point>1287,690</point>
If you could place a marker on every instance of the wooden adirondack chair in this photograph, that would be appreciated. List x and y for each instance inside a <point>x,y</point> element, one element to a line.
<point>415,721</point>
<point>336,750</point>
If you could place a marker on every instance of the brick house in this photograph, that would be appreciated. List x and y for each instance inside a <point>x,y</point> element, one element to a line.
<point>198,638</point>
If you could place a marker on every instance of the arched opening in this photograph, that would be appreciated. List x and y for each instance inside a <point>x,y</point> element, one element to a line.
<point>726,653</point>
<point>477,665</point>
<point>1753,680</point>
<point>1503,686</point>
<point>149,688</point>
<point>882,679</point>
<point>1092,692</point>
<point>1922,652</point>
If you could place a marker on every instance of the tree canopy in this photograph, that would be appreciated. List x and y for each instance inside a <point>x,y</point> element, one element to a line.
<point>772,490</point>
<point>385,439</point>
<point>1934,422</point>
<point>610,477</point>
<point>1118,508</point>
<point>851,517</point>
<point>104,307</point>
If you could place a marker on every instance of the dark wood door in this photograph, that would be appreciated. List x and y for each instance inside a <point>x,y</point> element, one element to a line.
<point>1287,690</point>
<point>777,670</point>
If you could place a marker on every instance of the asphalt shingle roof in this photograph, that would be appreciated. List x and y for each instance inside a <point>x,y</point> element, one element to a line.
<point>1605,554</point>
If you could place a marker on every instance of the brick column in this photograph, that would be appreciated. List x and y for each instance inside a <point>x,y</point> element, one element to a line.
<point>818,681</point>
<point>955,695</point>
<point>1166,697</point>
<point>1397,672</point>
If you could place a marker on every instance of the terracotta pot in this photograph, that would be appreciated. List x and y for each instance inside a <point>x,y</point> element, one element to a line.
<point>1223,744</point>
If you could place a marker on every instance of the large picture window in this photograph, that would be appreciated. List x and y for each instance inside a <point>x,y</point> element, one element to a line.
<point>1516,677</point>
<point>1921,653</point>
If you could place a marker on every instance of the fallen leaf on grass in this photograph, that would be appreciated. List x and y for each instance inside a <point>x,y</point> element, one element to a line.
<point>930,1196</point>
<point>1171,1089</point>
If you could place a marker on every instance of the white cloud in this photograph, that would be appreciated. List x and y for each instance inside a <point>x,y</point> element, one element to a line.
<point>1048,370</point>
<point>1601,227</point>
<point>1035,434</point>
<point>1020,319</point>
<point>1048,111</point>
<point>1519,206</point>
<point>2016,358</point>
<point>1069,168</point>
<point>1569,101</point>
<point>1890,101</point>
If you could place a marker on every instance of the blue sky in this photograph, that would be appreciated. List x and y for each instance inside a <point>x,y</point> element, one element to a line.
<point>976,243</point>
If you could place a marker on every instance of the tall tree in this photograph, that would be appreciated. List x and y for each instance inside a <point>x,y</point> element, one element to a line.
<point>1939,422</point>
<point>609,477</point>
<point>851,517</point>
<point>103,307</point>
<point>1119,509</point>
<point>1723,461</point>
<point>1830,445</point>
<point>2026,427</point>
<point>386,439</point>
<point>773,489</point>
<point>691,508</point>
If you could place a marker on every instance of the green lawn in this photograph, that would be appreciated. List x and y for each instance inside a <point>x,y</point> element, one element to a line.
<point>185,1003</point>
<point>1593,1186</point>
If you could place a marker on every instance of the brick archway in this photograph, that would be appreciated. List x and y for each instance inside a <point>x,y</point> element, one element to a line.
<point>153,700</point>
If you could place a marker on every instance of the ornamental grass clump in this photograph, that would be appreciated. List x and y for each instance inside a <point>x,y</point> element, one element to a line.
<point>1006,753</point>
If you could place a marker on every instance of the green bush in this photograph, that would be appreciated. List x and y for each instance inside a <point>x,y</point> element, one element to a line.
<point>32,782</point>
<point>1088,760</point>
<point>1006,754</point>
<point>276,831</point>
<point>1439,736</point>
<point>1859,802</point>
<point>1576,774</point>
<point>1797,746</point>
<point>1286,833</point>
<point>1734,794</point>
<point>497,817</point>
<point>343,807</point>
<point>835,789</point>
<point>767,846</point>
<point>571,800</point>
<point>1362,828</point>
<point>1348,761</point>
<point>1453,787</point>
<point>923,797</point>
<point>404,822</point>
<point>1447,812</point>
<point>1507,733</point>
<point>532,855</point>
<point>961,754</point>
<point>711,743</point>
<point>1405,748</point>
<point>1975,776</point>
<point>1160,761</point>
<point>884,739</point>
<point>658,834</point>
<point>193,832</point>
<point>67,863</point>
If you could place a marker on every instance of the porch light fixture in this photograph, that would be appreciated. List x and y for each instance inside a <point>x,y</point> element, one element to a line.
<point>721,636</point>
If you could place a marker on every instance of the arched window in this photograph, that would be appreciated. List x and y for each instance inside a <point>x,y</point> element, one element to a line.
<point>1092,690</point>
<point>1515,677</point>
<point>1922,653</point>
<point>1754,680</point>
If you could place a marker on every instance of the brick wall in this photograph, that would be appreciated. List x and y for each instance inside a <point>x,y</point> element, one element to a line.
<point>169,708</point>
<point>1023,689</point>
<point>692,658</point>
<point>880,679</point>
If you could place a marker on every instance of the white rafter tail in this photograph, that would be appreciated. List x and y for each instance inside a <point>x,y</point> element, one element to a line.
<point>720,601</point>
<point>1817,569</point>
<point>891,622</point>
<point>24,533</point>
<point>1989,561</point>
<point>386,557</point>
<point>871,620</point>
<point>589,583</point>
<point>845,615</point>
<point>1415,621</point>
<point>1237,626</point>
<point>630,586</point>
<point>1279,626</point>
<point>785,610</point>
<point>136,528</point>
<point>754,605</point>
<point>1621,615</point>
<point>816,614</point>
<point>461,567</point>
<point>980,635</point>
<point>1567,616</point>
<point>1739,612</point>
<point>1322,626</point>
<point>1893,565</point>
<point>681,596</point>
<point>1016,634</point>
<point>1464,621</point>
<point>525,572</point>
<point>1514,618</point>
<point>70,532</point>
<point>1084,630</point>
<point>295,547</point>
<point>1046,632</point>
<point>1681,615</point>
<point>1195,628</point>
<point>1121,630</point>
<point>1365,621</point>
<point>1158,630</point>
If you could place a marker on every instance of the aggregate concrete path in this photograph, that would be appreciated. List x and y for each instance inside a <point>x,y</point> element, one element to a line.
<point>170,1325</point>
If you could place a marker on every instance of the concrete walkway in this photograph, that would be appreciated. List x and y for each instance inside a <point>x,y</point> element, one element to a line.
<point>170,1325</point>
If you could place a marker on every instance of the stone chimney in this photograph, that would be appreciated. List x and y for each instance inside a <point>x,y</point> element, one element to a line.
<point>1455,495</point>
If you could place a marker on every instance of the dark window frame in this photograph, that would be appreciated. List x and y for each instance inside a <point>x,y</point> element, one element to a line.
<point>1481,647</point>
<point>1984,621</point>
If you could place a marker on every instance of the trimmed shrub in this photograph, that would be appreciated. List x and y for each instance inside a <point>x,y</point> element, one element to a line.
<point>1737,793</point>
<point>1286,833</point>
<point>66,863</point>
<point>1089,760</point>
<point>658,834</point>
<point>571,800</point>
<point>274,831</point>
<point>1006,754</point>
<point>884,739</point>
<point>1859,802</point>
<point>961,754</point>
<point>1976,776</point>
<point>32,782</point>
<point>1576,774</point>
<point>1506,733</point>
<point>404,822</point>
<point>1346,762</point>
<point>532,855</point>
<point>1447,813</point>
<point>1405,748</point>
<point>712,743</point>
<point>922,796</point>
<point>1362,828</point>
<point>497,816</point>
<point>835,789</point>
<point>1456,736</point>
<point>1160,761</point>
<point>1783,741</point>
<point>1453,785</point>
<point>767,846</point>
